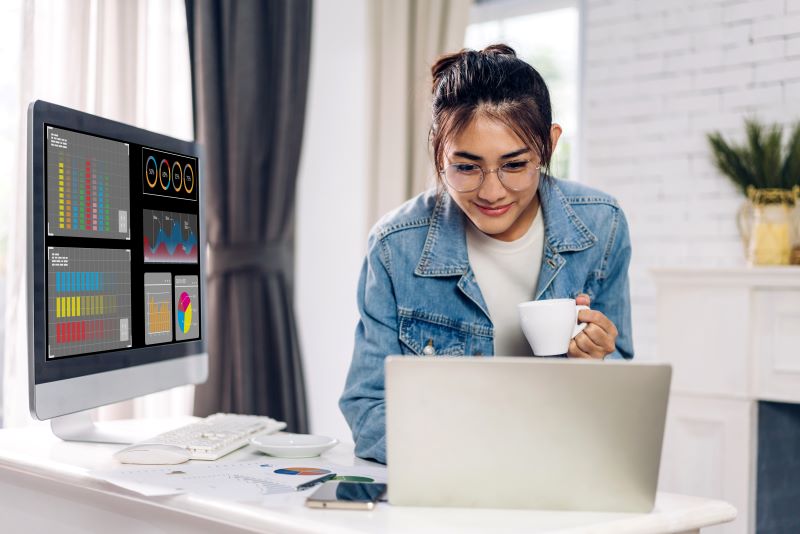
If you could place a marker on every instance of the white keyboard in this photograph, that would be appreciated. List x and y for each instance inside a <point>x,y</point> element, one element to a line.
<point>211,437</point>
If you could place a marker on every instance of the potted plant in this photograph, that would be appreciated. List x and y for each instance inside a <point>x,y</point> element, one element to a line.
<point>768,173</point>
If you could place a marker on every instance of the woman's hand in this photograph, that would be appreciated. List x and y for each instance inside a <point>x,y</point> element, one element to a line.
<point>597,339</point>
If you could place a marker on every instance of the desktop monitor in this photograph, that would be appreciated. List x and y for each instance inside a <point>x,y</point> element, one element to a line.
<point>115,266</point>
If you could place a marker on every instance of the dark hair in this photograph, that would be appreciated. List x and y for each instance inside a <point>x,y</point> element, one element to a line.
<point>496,83</point>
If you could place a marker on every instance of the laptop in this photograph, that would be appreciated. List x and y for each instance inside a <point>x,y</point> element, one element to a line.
<point>536,433</point>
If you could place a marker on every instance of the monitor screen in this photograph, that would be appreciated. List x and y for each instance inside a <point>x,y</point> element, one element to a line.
<point>115,246</point>
<point>122,248</point>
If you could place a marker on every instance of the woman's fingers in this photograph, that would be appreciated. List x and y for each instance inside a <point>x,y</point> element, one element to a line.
<point>575,352</point>
<point>597,339</point>
<point>598,318</point>
<point>601,337</point>
<point>588,346</point>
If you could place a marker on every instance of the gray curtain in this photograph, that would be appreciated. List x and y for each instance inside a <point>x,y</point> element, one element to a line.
<point>408,36</point>
<point>250,64</point>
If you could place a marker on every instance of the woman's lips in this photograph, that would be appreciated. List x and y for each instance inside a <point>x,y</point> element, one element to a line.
<point>494,211</point>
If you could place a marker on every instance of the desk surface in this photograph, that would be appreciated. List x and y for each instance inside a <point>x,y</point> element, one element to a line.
<point>45,485</point>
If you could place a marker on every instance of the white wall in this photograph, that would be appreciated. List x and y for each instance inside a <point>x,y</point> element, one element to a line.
<point>332,205</point>
<point>658,77</point>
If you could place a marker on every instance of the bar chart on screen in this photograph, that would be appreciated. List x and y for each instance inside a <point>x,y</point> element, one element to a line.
<point>89,300</point>
<point>88,186</point>
<point>157,308</point>
<point>169,237</point>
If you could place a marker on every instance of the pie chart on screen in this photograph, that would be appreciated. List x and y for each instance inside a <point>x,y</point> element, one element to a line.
<point>184,312</point>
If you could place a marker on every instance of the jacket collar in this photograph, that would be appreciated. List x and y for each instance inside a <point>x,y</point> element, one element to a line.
<point>445,250</point>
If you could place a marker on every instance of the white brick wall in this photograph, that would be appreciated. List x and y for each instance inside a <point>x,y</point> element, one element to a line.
<point>658,76</point>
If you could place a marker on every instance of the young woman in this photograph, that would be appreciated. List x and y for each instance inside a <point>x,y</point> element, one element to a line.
<point>445,271</point>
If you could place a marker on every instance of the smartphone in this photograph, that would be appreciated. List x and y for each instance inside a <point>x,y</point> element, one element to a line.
<point>346,495</point>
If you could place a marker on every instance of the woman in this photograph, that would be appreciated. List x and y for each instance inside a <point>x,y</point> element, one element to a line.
<point>445,271</point>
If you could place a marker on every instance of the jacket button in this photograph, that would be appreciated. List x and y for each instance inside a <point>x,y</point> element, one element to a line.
<point>428,350</point>
<point>478,353</point>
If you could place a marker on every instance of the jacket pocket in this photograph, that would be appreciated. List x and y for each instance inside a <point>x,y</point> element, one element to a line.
<point>419,330</point>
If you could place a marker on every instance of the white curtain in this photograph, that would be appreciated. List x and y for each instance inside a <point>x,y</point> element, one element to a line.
<point>408,36</point>
<point>126,60</point>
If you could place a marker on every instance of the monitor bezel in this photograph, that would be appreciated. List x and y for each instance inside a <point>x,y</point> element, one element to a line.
<point>41,369</point>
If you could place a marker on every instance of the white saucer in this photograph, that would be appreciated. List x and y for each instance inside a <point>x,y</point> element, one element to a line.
<point>292,445</point>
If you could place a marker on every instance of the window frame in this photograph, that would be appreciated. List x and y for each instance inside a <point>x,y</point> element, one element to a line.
<point>490,10</point>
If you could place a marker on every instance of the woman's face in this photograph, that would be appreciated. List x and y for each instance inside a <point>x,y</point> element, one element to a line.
<point>496,211</point>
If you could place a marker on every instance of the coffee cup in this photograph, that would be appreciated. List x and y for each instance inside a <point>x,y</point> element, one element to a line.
<point>549,325</point>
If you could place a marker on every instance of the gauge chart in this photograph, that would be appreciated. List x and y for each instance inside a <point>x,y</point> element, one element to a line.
<point>169,175</point>
<point>88,186</point>
<point>89,300</point>
<point>169,237</point>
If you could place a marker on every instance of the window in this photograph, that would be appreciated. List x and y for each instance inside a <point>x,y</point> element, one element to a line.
<point>10,43</point>
<point>103,58</point>
<point>544,33</point>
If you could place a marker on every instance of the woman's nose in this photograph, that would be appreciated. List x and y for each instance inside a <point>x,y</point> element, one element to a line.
<point>491,190</point>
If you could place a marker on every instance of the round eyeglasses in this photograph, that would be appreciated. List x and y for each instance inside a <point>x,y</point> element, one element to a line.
<point>515,175</point>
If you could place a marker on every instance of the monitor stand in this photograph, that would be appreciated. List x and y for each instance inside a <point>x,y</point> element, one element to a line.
<point>79,426</point>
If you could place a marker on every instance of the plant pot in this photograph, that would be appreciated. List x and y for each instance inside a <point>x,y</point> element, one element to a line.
<point>768,226</point>
<point>794,257</point>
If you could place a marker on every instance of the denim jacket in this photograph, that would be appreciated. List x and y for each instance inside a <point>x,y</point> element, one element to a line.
<point>417,288</point>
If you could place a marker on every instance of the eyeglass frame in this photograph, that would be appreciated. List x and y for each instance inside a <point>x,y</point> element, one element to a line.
<point>484,172</point>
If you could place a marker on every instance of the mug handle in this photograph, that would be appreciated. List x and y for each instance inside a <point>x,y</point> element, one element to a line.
<point>579,327</point>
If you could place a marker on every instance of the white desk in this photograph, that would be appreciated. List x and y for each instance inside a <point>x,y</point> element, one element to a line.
<point>44,487</point>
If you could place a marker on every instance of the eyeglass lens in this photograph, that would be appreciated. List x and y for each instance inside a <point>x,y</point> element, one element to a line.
<point>515,175</point>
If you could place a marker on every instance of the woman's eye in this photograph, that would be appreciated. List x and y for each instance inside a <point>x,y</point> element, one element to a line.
<point>466,168</point>
<point>515,166</point>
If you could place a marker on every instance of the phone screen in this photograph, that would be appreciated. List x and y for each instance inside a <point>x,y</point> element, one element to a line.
<point>354,492</point>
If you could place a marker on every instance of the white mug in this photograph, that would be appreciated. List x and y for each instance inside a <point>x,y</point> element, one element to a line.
<point>549,325</point>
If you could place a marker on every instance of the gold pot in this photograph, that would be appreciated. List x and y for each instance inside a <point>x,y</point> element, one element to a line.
<point>794,257</point>
<point>768,226</point>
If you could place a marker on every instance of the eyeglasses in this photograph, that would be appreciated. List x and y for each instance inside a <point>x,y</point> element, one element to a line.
<point>514,175</point>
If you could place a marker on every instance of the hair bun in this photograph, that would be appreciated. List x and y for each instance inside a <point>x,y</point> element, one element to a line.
<point>443,64</point>
<point>499,50</point>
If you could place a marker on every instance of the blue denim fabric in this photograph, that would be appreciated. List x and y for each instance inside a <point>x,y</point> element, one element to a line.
<point>416,285</point>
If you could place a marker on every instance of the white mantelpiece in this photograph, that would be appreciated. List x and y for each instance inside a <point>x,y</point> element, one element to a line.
<point>733,338</point>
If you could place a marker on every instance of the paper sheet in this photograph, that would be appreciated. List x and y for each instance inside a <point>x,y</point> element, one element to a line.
<point>238,481</point>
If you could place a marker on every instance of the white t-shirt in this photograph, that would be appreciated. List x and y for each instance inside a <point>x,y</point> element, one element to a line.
<point>507,273</point>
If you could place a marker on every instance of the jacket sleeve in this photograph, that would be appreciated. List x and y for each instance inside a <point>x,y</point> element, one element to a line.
<point>613,297</point>
<point>363,400</point>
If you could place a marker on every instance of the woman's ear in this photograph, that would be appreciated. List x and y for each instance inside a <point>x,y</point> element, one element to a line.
<point>555,133</point>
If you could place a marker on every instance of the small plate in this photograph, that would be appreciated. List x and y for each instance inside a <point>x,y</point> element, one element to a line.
<point>286,445</point>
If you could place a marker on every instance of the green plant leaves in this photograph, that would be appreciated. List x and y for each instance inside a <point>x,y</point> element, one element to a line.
<point>760,162</point>
<point>731,161</point>
<point>790,171</point>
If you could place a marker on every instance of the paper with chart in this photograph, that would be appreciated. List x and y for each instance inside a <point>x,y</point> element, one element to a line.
<point>237,481</point>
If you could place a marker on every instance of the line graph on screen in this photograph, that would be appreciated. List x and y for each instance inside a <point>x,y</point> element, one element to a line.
<point>170,237</point>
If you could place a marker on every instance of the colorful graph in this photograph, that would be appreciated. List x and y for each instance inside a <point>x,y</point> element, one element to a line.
<point>88,310</point>
<point>184,313</point>
<point>159,318</point>
<point>158,308</point>
<point>168,175</point>
<point>88,187</point>
<point>301,471</point>
<point>170,237</point>
<point>187,307</point>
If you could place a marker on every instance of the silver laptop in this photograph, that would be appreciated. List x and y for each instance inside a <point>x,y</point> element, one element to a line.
<point>504,432</point>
